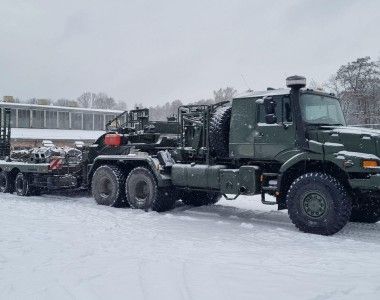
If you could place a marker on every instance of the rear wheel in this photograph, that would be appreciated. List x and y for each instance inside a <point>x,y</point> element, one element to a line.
<point>198,198</point>
<point>6,183</point>
<point>365,210</point>
<point>143,193</point>
<point>318,203</point>
<point>22,185</point>
<point>108,186</point>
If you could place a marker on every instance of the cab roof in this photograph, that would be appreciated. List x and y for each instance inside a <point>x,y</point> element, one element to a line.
<point>278,92</point>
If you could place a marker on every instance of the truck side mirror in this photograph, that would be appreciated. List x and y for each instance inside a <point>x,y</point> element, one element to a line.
<point>271,119</point>
<point>270,105</point>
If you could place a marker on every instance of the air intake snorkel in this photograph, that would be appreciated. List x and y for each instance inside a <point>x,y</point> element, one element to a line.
<point>295,83</point>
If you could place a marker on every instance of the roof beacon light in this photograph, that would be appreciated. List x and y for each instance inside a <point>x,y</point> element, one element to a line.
<point>296,81</point>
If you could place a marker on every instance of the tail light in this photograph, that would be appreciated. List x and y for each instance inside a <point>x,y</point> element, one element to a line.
<point>112,139</point>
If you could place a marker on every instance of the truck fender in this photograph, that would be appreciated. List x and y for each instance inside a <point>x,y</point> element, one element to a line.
<point>132,161</point>
<point>303,156</point>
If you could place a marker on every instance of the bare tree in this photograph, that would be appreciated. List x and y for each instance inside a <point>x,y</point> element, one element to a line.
<point>100,101</point>
<point>66,102</point>
<point>121,105</point>
<point>87,99</point>
<point>357,84</point>
<point>31,101</point>
<point>225,94</point>
<point>103,101</point>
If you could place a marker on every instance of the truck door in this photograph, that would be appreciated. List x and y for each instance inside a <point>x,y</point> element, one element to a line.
<point>272,139</point>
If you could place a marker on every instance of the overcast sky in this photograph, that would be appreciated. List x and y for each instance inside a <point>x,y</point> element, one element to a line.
<point>158,51</point>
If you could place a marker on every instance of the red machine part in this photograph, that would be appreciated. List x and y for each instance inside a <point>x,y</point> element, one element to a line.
<point>112,139</point>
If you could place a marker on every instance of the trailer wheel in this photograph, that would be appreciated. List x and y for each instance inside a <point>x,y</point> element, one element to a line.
<point>219,131</point>
<point>318,203</point>
<point>6,183</point>
<point>365,210</point>
<point>198,198</point>
<point>143,193</point>
<point>108,186</point>
<point>22,185</point>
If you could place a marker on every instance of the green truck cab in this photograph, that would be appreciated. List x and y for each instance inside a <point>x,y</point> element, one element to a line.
<point>292,144</point>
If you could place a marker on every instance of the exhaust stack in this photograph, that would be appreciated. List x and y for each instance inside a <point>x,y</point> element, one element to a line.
<point>296,83</point>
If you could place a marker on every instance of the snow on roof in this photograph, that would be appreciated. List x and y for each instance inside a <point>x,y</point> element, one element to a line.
<point>256,94</point>
<point>54,134</point>
<point>36,106</point>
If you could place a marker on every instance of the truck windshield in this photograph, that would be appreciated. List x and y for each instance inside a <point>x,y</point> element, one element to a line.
<point>321,110</point>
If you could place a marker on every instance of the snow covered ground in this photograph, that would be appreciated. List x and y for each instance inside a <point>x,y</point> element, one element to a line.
<point>59,247</point>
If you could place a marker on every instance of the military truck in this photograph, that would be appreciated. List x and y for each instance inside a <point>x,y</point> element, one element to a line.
<point>290,143</point>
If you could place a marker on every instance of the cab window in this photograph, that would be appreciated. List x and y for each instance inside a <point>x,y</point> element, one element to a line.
<point>282,105</point>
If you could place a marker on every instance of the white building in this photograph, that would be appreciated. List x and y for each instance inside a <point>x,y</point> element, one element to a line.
<point>32,122</point>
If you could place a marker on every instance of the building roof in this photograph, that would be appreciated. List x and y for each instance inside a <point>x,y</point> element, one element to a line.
<point>60,108</point>
<point>54,134</point>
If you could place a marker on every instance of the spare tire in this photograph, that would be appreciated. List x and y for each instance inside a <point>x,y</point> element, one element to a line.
<point>219,132</point>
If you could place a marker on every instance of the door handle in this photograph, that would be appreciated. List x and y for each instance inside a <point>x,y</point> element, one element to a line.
<point>259,134</point>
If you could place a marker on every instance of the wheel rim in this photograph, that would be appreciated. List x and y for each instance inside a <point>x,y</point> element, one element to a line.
<point>105,188</point>
<point>314,204</point>
<point>142,191</point>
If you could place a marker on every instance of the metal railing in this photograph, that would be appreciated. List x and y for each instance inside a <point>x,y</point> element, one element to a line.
<point>5,132</point>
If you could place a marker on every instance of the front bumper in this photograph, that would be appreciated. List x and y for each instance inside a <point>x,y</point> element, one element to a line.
<point>371,183</point>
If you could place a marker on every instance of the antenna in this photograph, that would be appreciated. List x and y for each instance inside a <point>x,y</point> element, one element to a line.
<point>245,82</point>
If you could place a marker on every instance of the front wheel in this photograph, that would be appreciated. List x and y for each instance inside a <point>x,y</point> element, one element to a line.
<point>318,203</point>
<point>143,193</point>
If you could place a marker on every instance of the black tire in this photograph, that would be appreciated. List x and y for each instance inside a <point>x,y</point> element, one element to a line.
<point>219,132</point>
<point>143,193</point>
<point>22,185</point>
<point>107,186</point>
<point>318,203</point>
<point>198,198</point>
<point>365,210</point>
<point>6,183</point>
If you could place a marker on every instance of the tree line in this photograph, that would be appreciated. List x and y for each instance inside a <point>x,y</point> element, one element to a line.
<point>356,83</point>
<point>161,112</point>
